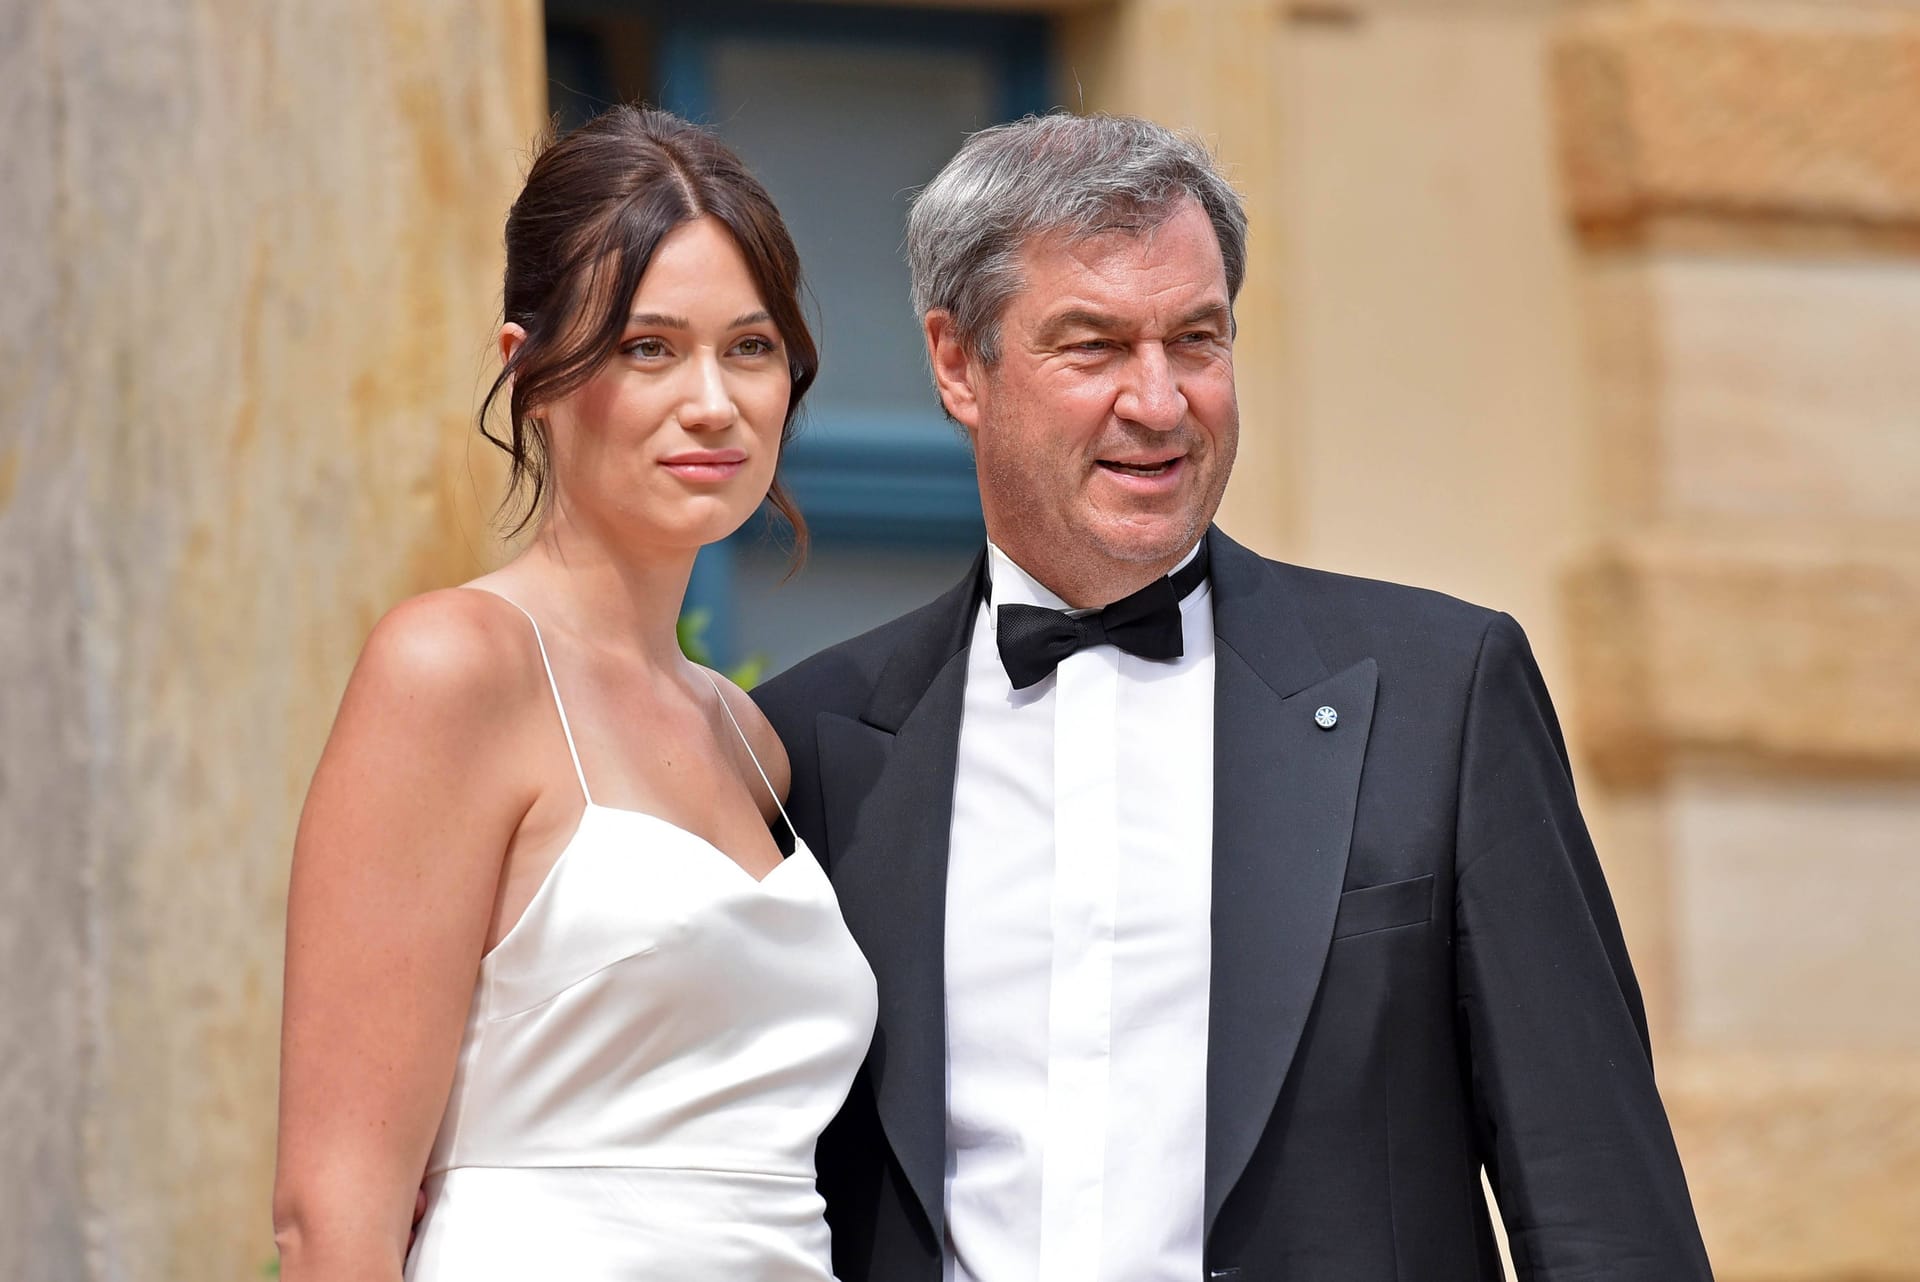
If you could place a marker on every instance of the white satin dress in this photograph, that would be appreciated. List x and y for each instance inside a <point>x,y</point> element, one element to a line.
<point>651,1053</point>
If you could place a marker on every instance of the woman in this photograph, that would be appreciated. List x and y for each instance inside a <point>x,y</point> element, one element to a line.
<point>541,943</point>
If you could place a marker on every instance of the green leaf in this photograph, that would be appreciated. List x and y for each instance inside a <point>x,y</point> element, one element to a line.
<point>691,629</point>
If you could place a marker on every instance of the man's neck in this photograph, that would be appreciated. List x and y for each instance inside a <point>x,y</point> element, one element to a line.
<point>1093,590</point>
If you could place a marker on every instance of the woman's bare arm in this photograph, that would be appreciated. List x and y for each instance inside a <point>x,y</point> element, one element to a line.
<point>395,867</point>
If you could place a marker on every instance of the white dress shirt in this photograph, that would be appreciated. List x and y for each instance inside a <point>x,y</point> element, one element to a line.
<point>1078,950</point>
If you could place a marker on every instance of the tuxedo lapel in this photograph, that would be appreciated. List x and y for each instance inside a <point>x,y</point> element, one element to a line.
<point>889,813</point>
<point>1284,796</point>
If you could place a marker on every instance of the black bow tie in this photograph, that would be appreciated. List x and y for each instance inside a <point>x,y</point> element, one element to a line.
<point>1033,639</point>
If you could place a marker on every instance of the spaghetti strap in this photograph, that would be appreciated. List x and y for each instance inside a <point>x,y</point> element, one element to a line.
<point>751,755</point>
<point>554,686</point>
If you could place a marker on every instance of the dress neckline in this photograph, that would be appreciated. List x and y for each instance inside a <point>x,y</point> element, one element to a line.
<point>799,844</point>
<point>754,887</point>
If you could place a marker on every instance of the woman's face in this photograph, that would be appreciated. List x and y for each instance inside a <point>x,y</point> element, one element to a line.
<point>676,437</point>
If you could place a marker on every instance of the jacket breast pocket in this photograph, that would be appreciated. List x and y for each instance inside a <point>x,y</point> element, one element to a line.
<point>1366,909</point>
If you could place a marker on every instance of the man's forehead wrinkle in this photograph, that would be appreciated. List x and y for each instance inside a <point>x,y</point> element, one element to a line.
<point>1109,285</point>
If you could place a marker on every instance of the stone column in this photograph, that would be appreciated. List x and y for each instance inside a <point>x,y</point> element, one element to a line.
<point>1745,182</point>
<point>252,270</point>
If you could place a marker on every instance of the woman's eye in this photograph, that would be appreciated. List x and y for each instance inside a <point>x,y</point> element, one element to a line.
<point>755,346</point>
<point>647,348</point>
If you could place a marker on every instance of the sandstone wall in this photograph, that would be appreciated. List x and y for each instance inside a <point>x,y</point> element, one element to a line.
<point>251,270</point>
<point>1746,185</point>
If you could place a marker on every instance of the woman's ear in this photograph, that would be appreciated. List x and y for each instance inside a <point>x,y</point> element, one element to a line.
<point>511,336</point>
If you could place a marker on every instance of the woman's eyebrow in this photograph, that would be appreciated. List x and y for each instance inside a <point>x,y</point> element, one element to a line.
<point>662,320</point>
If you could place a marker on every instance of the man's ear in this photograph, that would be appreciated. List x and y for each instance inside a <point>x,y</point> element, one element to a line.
<point>956,375</point>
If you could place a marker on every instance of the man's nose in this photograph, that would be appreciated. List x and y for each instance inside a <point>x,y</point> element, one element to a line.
<point>708,404</point>
<point>1150,395</point>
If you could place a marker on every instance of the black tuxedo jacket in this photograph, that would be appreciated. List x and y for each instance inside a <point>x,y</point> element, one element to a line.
<point>1417,969</point>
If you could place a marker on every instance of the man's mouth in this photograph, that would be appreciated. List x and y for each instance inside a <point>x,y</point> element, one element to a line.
<point>1159,467</point>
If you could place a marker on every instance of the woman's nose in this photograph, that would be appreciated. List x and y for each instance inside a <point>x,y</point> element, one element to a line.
<point>708,404</point>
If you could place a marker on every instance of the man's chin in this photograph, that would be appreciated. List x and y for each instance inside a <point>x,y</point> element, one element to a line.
<point>1138,542</point>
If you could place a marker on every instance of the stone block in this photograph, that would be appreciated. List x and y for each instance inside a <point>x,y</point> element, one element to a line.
<point>1740,113</point>
<point>1783,646</point>
<point>1804,1168</point>
<point>1792,912</point>
<point>1757,389</point>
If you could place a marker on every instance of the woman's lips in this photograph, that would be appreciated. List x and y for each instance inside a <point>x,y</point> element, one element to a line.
<point>706,465</point>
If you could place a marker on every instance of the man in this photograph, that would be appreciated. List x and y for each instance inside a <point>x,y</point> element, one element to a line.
<point>1229,931</point>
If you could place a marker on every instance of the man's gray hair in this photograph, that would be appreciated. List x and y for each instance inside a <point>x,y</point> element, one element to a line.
<point>1058,173</point>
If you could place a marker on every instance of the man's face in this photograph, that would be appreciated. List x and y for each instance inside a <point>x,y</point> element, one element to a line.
<point>1105,432</point>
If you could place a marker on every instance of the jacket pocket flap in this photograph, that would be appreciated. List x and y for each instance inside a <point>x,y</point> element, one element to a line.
<point>1396,903</point>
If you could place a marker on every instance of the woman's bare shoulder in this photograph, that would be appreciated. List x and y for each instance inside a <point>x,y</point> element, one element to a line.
<point>454,655</point>
<point>431,720</point>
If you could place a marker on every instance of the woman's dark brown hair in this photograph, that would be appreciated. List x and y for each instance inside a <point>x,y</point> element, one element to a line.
<point>596,205</point>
